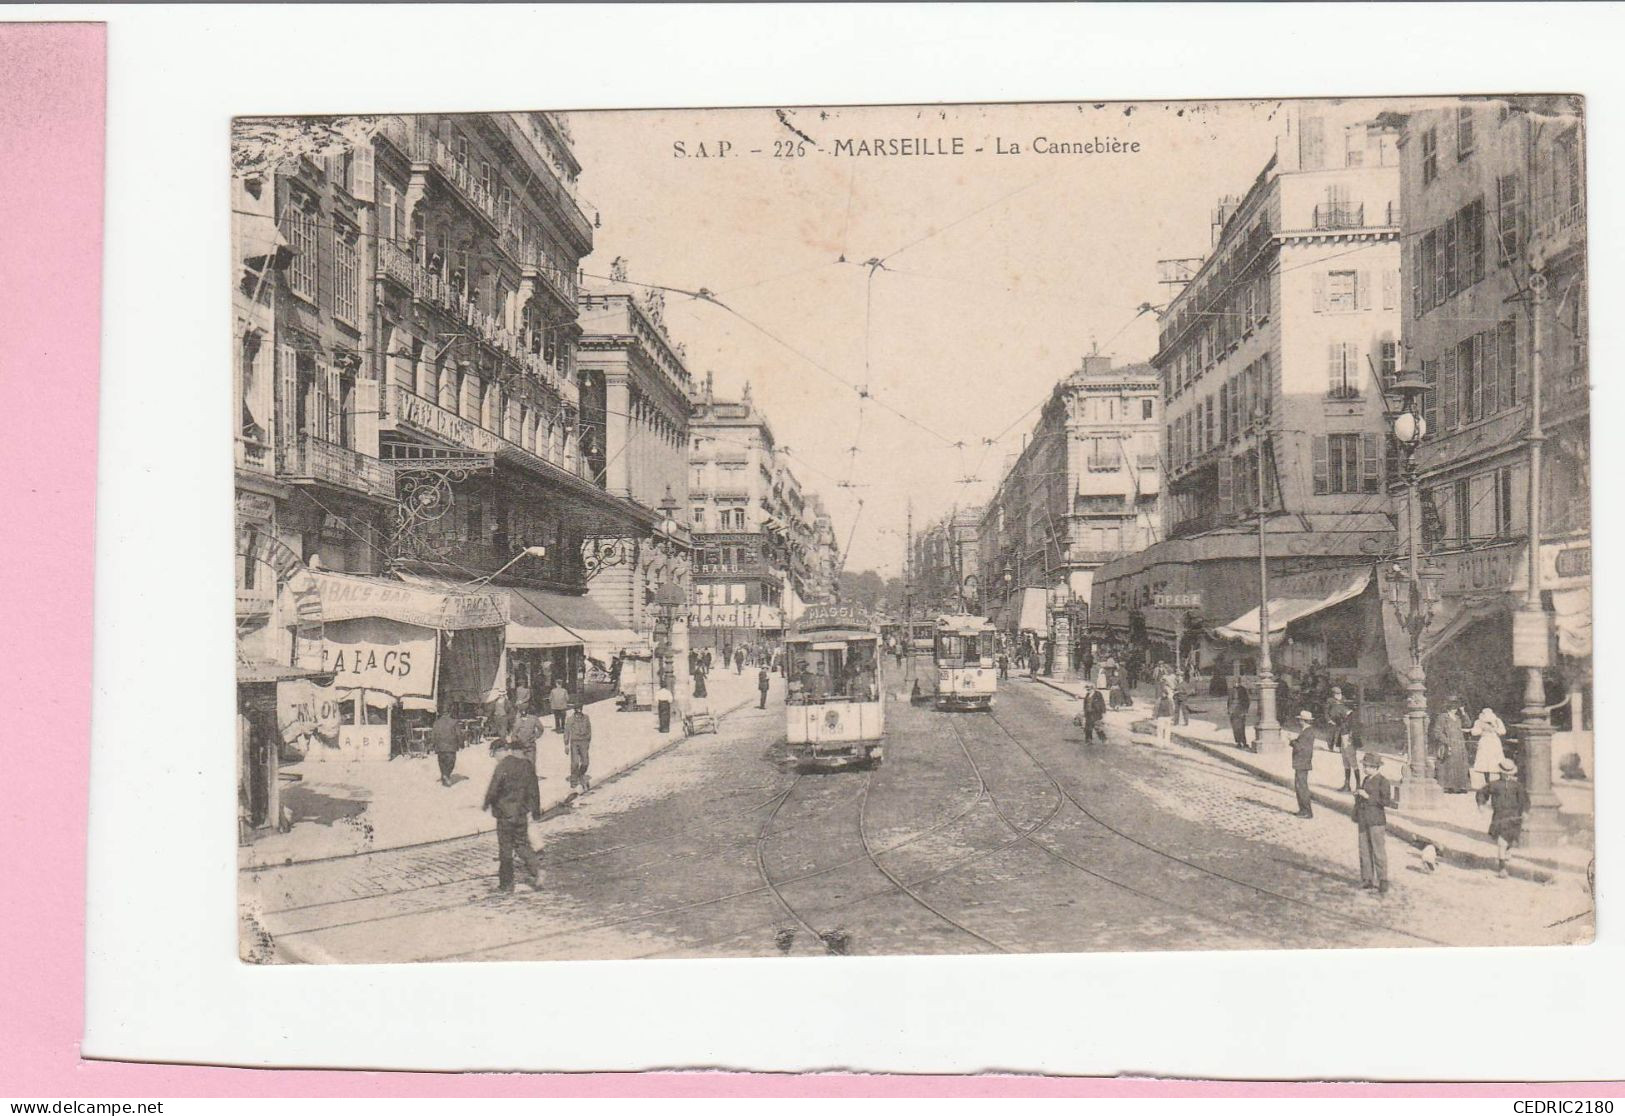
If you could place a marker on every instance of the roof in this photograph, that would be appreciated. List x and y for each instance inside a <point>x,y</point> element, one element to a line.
<point>964,624</point>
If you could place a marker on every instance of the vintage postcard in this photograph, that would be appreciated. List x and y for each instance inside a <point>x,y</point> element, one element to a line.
<point>912,529</point>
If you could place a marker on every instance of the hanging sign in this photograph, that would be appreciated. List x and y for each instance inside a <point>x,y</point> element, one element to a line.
<point>376,654</point>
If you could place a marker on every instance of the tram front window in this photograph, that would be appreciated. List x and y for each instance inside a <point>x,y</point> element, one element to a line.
<point>955,649</point>
<point>823,675</point>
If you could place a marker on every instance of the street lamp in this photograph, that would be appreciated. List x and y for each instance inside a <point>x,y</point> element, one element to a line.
<point>670,598</point>
<point>529,552</point>
<point>1269,727</point>
<point>1410,427</point>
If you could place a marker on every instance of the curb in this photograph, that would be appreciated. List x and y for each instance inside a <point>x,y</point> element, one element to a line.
<point>1525,868</point>
<point>561,806</point>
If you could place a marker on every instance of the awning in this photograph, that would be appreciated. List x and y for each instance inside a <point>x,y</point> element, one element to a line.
<point>1296,596</point>
<point>580,618</point>
<point>1034,610</point>
<point>424,602</point>
<point>258,671</point>
<point>529,626</point>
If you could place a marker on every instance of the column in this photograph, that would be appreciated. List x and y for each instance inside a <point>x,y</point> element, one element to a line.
<point>617,427</point>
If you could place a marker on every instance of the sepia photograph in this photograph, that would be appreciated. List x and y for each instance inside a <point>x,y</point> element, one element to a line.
<point>912,529</point>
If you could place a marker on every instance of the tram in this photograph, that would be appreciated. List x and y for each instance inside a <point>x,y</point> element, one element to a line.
<point>835,713</point>
<point>963,655</point>
<point>922,636</point>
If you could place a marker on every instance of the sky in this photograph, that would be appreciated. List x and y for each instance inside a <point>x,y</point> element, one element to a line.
<point>998,272</point>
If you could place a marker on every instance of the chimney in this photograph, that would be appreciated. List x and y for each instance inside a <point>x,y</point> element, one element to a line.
<point>709,397</point>
<point>1096,364</point>
<point>1222,213</point>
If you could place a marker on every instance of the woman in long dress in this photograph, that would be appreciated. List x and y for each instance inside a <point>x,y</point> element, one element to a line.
<point>1488,729</point>
<point>1450,749</point>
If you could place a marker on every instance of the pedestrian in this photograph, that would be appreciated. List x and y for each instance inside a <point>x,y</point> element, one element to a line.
<point>739,661</point>
<point>511,797</point>
<point>699,686</point>
<point>762,683</point>
<point>708,660</point>
<point>527,730</point>
<point>1283,693</point>
<point>1509,802</point>
<point>1004,663</point>
<point>1131,669</point>
<point>444,739</point>
<point>1094,716</point>
<point>1182,715</point>
<point>1165,715</point>
<point>1488,730</point>
<point>1236,704</point>
<point>1120,695</point>
<point>521,699</point>
<point>663,707</point>
<point>1303,762</point>
<point>1049,658</point>
<point>558,700</point>
<point>1371,800</point>
<point>577,744</point>
<point>1337,716</point>
<point>1450,749</point>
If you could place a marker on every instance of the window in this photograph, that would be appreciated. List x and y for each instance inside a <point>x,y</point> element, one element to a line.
<point>302,238</point>
<point>1345,463</point>
<point>1508,218</point>
<point>346,275</point>
<point>1343,370</point>
<point>1354,146</point>
<point>1464,132</point>
<point>1450,272</point>
<point>1430,155</point>
<point>1469,380</point>
<point>697,518</point>
<point>1343,291</point>
<point>1422,265</point>
<point>1388,359</point>
<point>1147,409</point>
<point>1510,362</point>
<point>1470,222</point>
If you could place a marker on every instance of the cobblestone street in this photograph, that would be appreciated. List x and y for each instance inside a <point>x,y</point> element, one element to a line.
<point>980,833</point>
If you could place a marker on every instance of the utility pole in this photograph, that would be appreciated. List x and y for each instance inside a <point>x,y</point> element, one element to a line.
<point>1531,630</point>
<point>1269,729</point>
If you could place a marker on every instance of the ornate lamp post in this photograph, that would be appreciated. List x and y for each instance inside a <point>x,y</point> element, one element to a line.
<point>1414,597</point>
<point>1269,728</point>
<point>671,598</point>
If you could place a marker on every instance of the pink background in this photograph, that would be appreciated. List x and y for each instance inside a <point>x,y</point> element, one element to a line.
<point>52,112</point>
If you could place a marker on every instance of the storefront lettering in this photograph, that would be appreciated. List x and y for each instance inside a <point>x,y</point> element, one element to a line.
<point>416,411</point>
<point>365,660</point>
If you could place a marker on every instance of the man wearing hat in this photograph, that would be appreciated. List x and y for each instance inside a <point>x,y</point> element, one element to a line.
<point>511,796</point>
<point>1371,800</point>
<point>1509,801</point>
<point>1337,718</point>
<point>1303,761</point>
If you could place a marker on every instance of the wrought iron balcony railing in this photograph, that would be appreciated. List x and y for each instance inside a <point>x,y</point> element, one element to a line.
<point>1339,215</point>
<point>309,458</point>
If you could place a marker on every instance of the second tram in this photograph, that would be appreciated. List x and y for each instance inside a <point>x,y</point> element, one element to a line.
<point>835,713</point>
<point>963,657</point>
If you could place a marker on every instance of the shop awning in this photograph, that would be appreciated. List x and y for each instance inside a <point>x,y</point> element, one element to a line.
<point>424,602</point>
<point>529,626</point>
<point>1296,596</point>
<point>257,671</point>
<point>580,618</point>
<point>1034,610</point>
<point>1573,609</point>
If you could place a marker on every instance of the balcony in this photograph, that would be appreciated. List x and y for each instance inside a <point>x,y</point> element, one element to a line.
<point>1339,215</point>
<point>396,264</point>
<point>1347,390</point>
<point>310,459</point>
<point>253,455</point>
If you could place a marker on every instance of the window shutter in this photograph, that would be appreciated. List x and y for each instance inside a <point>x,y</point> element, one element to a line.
<point>361,169</point>
<point>1439,254</point>
<point>1510,385</point>
<point>1390,289</point>
<point>1476,347</point>
<point>1319,287</point>
<point>1449,400</point>
<point>1263,297</point>
<point>1362,289</point>
<point>1224,412</point>
<point>1490,370</point>
<point>1334,366</point>
<point>1226,488</point>
<point>1322,469</point>
<point>1430,400</point>
<point>1370,463</point>
<point>287,394</point>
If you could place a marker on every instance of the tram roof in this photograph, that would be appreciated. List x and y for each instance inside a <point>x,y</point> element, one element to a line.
<point>964,624</point>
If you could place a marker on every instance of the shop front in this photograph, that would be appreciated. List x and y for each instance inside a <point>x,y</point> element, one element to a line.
<point>400,652</point>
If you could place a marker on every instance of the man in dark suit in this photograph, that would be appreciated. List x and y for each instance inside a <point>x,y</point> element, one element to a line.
<point>1371,800</point>
<point>445,740</point>
<point>512,797</point>
<point>1236,703</point>
<point>1303,761</point>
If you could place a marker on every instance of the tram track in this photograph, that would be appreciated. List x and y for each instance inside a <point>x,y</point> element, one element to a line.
<point>1259,889</point>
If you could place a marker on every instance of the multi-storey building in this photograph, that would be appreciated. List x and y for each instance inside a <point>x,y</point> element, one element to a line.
<point>824,555</point>
<point>946,564</point>
<point>1494,196</point>
<point>634,381</point>
<point>1273,358</point>
<point>1083,492</point>
<point>737,506</point>
<point>420,471</point>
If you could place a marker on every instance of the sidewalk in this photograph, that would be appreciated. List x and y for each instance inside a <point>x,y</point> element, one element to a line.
<point>1458,828</point>
<point>345,808</point>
